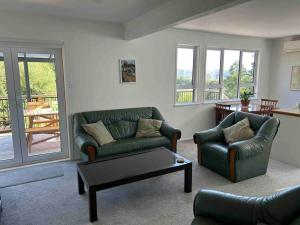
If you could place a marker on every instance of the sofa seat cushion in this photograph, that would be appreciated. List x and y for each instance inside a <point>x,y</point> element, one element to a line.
<point>131,145</point>
<point>215,150</point>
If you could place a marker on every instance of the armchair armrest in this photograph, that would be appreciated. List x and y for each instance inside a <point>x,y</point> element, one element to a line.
<point>225,208</point>
<point>214,134</point>
<point>248,148</point>
<point>171,133</point>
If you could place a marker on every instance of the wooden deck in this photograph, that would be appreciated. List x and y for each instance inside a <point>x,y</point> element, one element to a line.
<point>49,146</point>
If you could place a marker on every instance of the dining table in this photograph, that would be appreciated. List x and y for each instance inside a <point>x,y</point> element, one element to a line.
<point>235,107</point>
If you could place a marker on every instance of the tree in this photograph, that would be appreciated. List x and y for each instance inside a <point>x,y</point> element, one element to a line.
<point>231,80</point>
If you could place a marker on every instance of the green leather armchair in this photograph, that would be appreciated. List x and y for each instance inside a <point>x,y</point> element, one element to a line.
<point>214,207</point>
<point>122,123</point>
<point>240,160</point>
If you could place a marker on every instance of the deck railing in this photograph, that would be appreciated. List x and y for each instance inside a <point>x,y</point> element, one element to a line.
<point>4,107</point>
<point>211,95</point>
<point>186,95</point>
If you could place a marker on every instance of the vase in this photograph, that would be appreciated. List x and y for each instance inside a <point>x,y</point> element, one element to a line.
<point>245,103</point>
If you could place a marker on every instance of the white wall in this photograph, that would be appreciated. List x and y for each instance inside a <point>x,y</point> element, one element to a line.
<point>280,75</point>
<point>91,54</point>
<point>286,143</point>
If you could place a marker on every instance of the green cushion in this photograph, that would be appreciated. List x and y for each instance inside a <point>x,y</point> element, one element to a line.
<point>148,128</point>
<point>122,129</point>
<point>99,132</point>
<point>132,145</point>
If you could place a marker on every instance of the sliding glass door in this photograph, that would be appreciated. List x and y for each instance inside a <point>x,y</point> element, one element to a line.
<point>9,129</point>
<point>34,102</point>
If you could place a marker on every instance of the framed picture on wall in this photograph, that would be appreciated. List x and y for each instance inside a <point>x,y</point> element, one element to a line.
<point>295,78</point>
<point>127,71</point>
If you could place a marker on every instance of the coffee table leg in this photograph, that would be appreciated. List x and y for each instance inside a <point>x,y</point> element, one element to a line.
<point>93,205</point>
<point>188,179</point>
<point>80,184</point>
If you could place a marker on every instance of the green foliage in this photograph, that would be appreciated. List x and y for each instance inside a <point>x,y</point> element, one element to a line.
<point>231,80</point>
<point>3,89</point>
<point>41,76</point>
<point>183,80</point>
<point>245,95</point>
<point>42,79</point>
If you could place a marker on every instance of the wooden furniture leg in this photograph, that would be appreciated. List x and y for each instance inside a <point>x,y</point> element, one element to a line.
<point>174,143</point>
<point>91,152</point>
<point>232,157</point>
<point>80,184</point>
<point>92,205</point>
<point>29,142</point>
<point>188,179</point>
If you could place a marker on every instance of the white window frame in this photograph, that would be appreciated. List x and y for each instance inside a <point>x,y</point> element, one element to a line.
<point>221,82</point>
<point>195,73</point>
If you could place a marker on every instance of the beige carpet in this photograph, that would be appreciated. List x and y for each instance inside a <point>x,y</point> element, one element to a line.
<point>157,201</point>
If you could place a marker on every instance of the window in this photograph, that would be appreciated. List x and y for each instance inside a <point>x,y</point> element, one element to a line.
<point>186,74</point>
<point>228,73</point>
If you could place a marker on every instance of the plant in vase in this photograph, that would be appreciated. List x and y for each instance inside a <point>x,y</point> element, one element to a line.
<point>245,95</point>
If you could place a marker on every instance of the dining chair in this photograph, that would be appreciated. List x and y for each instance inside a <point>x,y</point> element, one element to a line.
<point>269,102</point>
<point>222,110</point>
<point>267,105</point>
<point>266,110</point>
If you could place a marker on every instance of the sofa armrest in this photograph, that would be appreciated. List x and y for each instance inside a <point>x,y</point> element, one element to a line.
<point>225,208</point>
<point>83,141</point>
<point>214,134</point>
<point>248,148</point>
<point>171,133</point>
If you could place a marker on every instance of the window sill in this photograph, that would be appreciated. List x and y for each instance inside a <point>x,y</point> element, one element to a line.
<point>186,104</point>
<point>227,101</point>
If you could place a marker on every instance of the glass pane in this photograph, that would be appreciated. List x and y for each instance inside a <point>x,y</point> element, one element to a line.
<point>184,95</point>
<point>184,77</point>
<point>38,88</point>
<point>6,141</point>
<point>230,74</point>
<point>213,67</point>
<point>247,71</point>
<point>212,94</point>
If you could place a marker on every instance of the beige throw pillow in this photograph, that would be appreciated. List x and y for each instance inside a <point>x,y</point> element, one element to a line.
<point>148,128</point>
<point>99,132</point>
<point>238,132</point>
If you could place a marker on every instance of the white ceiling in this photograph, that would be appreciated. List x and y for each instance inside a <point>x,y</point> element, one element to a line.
<point>260,18</point>
<point>119,11</point>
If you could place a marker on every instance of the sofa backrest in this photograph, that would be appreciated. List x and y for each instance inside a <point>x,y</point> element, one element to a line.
<point>122,123</point>
<point>256,121</point>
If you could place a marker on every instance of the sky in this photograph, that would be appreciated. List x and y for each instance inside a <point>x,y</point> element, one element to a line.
<point>185,59</point>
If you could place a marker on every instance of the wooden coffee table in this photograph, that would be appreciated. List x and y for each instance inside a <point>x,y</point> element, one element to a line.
<point>104,174</point>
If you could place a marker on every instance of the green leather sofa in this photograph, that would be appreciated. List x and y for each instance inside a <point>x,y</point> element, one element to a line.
<point>281,208</point>
<point>240,160</point>
<point>122,123</point>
